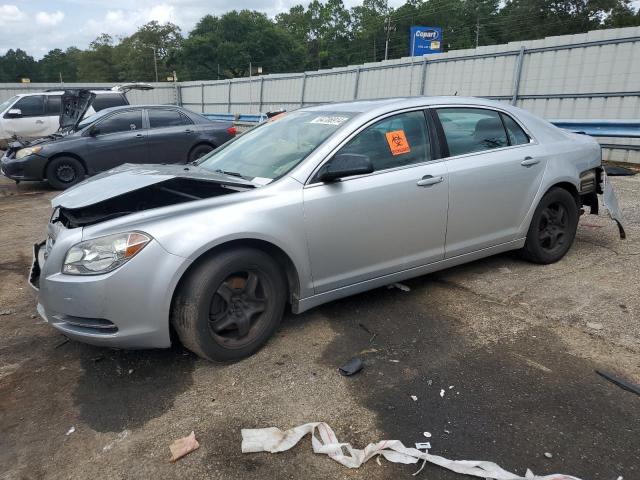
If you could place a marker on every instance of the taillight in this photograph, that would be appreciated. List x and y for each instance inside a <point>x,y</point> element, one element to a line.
<point>232,131</point>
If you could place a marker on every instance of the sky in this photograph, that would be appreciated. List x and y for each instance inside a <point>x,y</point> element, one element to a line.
<point>38,26</point>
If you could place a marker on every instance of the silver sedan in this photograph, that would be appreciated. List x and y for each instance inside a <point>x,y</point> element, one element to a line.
<point>313,205</point>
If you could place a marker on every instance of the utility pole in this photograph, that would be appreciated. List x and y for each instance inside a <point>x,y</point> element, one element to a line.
<point>155,62</point>
<point>388,34</point>
<point>61,82</point>
<point>250,95</point>
<point>477,29</point>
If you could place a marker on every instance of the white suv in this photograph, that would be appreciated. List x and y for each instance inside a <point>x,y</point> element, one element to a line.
<point>36,115</point>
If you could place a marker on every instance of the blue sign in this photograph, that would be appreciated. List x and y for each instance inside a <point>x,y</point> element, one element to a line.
<point>424,40</point>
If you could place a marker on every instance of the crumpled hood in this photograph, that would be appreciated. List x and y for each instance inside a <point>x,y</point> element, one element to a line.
<point>128,177</point>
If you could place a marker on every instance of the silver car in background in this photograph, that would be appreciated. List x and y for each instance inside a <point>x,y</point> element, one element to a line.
<point>311,206</point>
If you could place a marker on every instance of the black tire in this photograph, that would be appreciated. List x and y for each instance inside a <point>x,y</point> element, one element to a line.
<point>199,151</point>
<point>219,313</point>
<point>553,227</point>
<point>63,172</point>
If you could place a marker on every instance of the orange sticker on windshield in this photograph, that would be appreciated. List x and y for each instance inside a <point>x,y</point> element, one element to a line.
<point>398,143</point>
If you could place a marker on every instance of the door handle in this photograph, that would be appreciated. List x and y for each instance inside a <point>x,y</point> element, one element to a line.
<point>39,122</point>
<point>139,135</point>
<point>188,131</point>
<point>529,162</point>
<point>428,180</point>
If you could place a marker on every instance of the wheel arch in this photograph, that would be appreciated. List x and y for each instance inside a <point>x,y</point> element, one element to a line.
<point>64,154</point>
<point>281,257</point>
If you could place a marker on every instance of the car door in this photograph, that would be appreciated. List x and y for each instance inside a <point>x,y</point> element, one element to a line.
<point>372,225</point>
<point>31,122</point>
<point>118,138</point>
<point>495,169</point>
<point>171,135</point>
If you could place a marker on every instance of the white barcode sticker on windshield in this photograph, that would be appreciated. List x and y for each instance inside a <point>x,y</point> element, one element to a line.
<point>332,120</point>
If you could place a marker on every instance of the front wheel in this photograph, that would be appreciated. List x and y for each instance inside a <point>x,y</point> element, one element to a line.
<point>230,304</point>
<point>553,227</point>
<point>63,172</point>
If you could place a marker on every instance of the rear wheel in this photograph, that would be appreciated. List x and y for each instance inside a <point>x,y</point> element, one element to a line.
<point>199,151</point>
<point>553,227</point>
<point>230,304</point>
<point>63,172</point>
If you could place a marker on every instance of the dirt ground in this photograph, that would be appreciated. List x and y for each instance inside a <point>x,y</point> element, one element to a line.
<point>514,346</point>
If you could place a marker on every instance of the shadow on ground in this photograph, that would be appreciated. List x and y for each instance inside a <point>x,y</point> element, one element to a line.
<point>125,389</point>
<point>508,402</point>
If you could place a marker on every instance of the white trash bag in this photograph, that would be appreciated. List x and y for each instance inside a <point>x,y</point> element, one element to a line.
<point>274,440</point>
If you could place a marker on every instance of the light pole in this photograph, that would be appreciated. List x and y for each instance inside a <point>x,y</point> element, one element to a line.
<point>155,62</point>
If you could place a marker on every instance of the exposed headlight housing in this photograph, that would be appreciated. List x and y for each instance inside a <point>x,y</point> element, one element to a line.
<point>103,254</point>
<point>25,152</point>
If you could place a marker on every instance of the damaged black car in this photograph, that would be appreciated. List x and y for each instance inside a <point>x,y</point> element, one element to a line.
<point>143,134</point>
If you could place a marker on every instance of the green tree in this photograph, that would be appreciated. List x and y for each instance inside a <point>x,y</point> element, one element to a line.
<point>17,64</point>
<point>227,44</point>
<point>134,55</point>
<point>97,64</point>
<point>58,64</point>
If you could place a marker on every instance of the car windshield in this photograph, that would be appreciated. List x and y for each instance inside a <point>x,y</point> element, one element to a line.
<point>90,119</point>
<point>4,105</point>
<point>272,149</point>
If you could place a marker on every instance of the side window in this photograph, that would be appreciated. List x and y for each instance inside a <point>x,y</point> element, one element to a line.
<point>470,130</point>
<point>166,117</point>
<point>121,122</point>
<point>53,105</point>
<point>517,136</point>
<point>32,106</point>
<point>107,100</point>
<point>393,142</point>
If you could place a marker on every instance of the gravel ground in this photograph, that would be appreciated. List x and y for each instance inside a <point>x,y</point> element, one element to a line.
<point>513,345</point>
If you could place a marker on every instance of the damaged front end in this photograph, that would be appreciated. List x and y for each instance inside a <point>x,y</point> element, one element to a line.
<point>169,192</point>
<point>131,189</point>
<point>595,182</point>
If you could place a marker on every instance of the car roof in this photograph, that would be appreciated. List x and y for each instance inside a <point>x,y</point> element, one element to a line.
<point>60,92</point>
<point>396,103</point>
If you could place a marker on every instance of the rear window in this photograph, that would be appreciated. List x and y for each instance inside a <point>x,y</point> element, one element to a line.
<point>107,100</point>
<point>53,105</point>
<point>166,117</point>
<point>470,130</point>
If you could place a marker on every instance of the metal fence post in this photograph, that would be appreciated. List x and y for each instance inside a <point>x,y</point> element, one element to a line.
<point>229,98</point>
<point>516,76</point>
<point>202,96</point>
<point>357,84</point>
<point>304,84</point>
<point>424,76</point>
<point>260,98</point>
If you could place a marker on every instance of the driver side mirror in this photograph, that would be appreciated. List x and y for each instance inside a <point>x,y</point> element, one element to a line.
<point>345,165</point>
<point>14,113</point>
<point>93,131</point>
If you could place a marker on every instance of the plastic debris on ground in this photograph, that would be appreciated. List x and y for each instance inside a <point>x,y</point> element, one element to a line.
<point>615,171</point>
<point>324,441</point>
<point>70,431</point>
<point>182,446</point>
<point>630,387</point>
<point>352,367</point>
<point>399,286</point>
